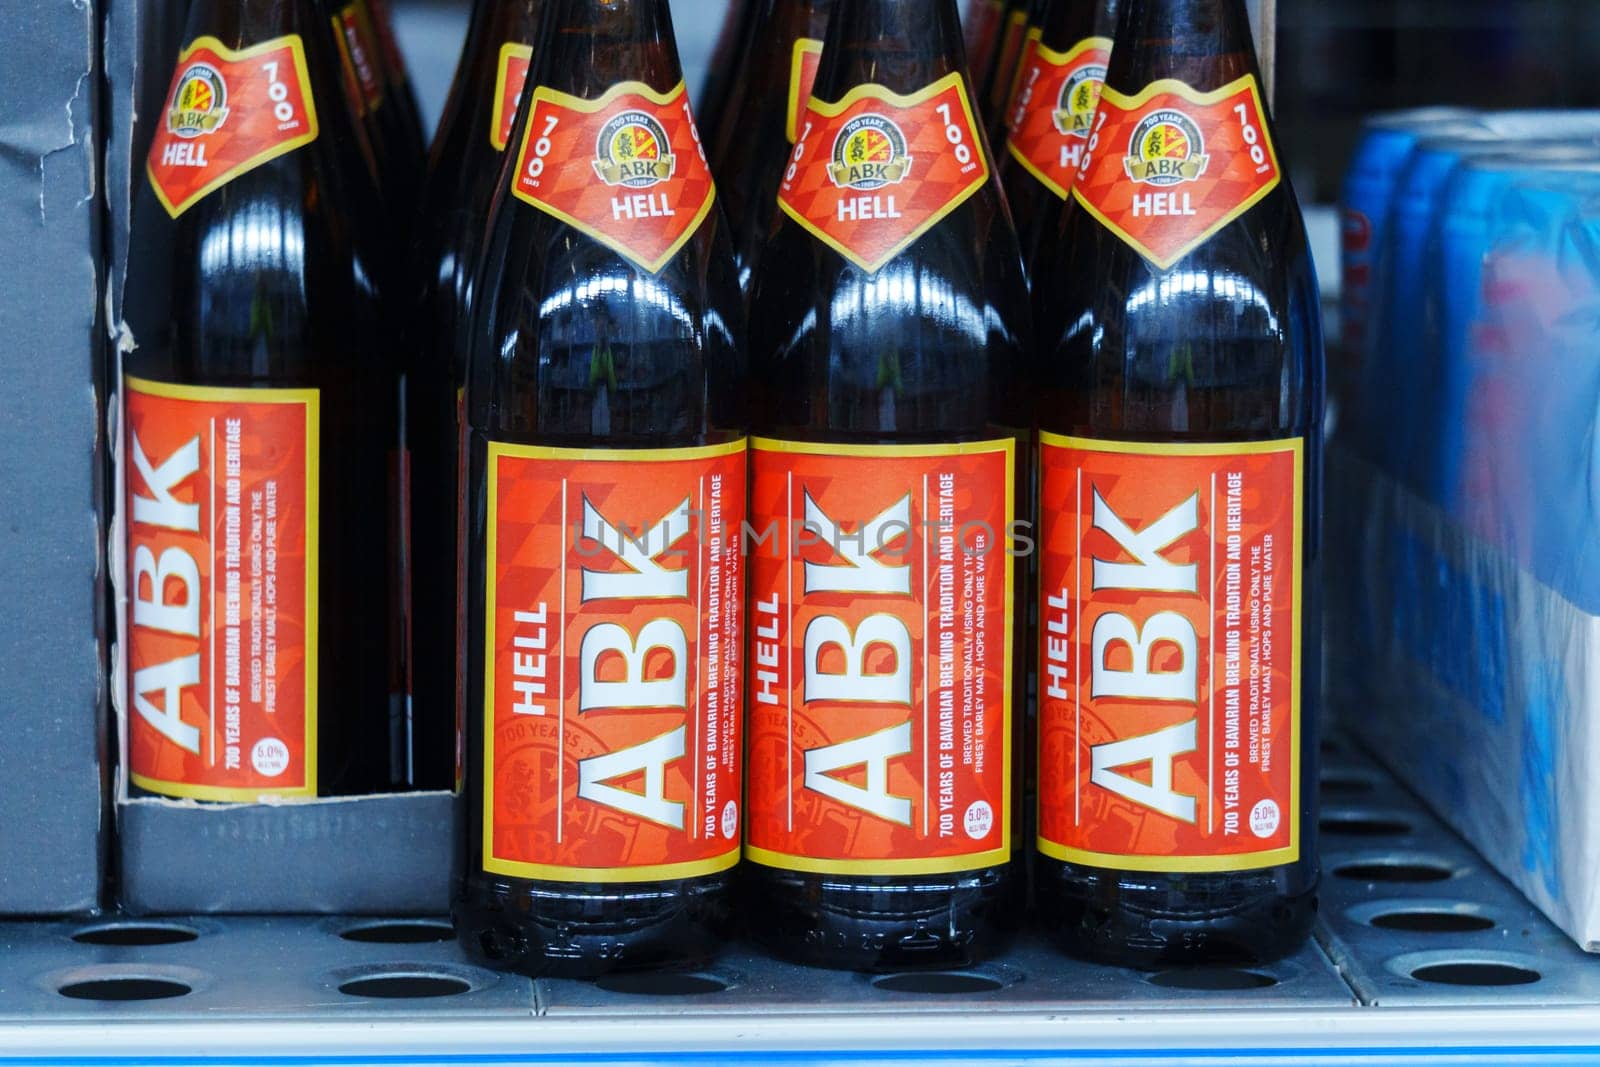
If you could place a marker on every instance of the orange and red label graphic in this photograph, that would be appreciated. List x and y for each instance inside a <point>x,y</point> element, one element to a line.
<point>221,639</point>
<point>1167,169</point>
<point>612,696</point>
<point>880,657</point>
<point>802,79</point>
<point>874,172</point>
<point>627,169</point>
<point>227,113</point>
<point>1052,114</point>
<point>358,48</point>
<point>511,76</point>
<point>1169,655</point>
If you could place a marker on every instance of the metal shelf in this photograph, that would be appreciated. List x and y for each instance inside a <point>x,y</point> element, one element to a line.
<point>1413,924</point>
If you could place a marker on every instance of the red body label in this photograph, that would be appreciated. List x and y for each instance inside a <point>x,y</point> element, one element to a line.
<point>1167,169</point>
<point>227,113</point>
<point>803,69</point>
<point>511,76</point>
<point>874,172</point>
<point>627,169</point>
<point>1053,111</point>
<point>1169,654</point>
<point>358,47</point>
<point>880,657</point>
<point>612,685</point>
<point>221,638</point>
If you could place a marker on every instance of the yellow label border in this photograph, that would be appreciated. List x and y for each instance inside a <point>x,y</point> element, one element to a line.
<point>878,92</point>
<point>491,863</point>
<point>971,861</point>
<point>312,401</point>
<point>1243,861</point>
<point>590,107</point>
<point>1183,91</point>
<point>302,72</point>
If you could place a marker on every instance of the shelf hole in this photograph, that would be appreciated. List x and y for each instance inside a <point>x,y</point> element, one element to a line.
<point>136,935</point>
<point>124,989</point>
<point>1432,922</point>
<point>1394,872</point>
<point>405,986</point>
<point>400,933</point>
<point>662,984</point>
<point>1364,826</point>
<point>1341,785</point>
<point>1330,747</point>
<point>1476,974</point>
<point>1213,979</point>
<point>938,983</point>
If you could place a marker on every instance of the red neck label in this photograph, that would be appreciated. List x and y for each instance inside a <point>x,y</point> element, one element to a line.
<point>1051,115</point>
<point>1169,653</point>
<point>227,113</point>
<point>511,75</point>
<point>1169,168</point>
<point>803,69</point>
<point>1005,73</point>
<point>612,676</point>
<point>874,172</point>
<point>359,49</point>
<point>627,169</point>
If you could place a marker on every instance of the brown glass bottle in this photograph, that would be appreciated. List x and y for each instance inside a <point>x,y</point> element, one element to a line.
<point>981,22</point>
<point>875,351</point>
<point>1076,28</point>
<point>728,54</point>
<point>393,131</point>
<point>608,326</point>
<point>257,283</point>
<point>404,94</point>
<point>1007,54</point>
<point>1212,343</point>
<point>463,172</point>
<point>751,149</point>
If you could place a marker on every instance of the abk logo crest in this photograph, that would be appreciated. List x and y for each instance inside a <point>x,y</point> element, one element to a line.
<point>200,103</point>
<point>869,153</point>
<point>1167,148</point>
<point>1080,96</point>
<point>634,151</point>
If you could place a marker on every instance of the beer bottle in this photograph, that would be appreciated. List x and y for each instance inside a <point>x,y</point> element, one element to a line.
<point>605,398</point>
<point>751,149</point>
<point>396,74</point>
<point>1180,479</point>
<point>732,46</point>
<point>395,135</point>
<point>1049,118</point>
<point>1008,54</point>
<point>889,322</point>
<point>981,21</point>
<point>463,171</point>
<point>259,415</point>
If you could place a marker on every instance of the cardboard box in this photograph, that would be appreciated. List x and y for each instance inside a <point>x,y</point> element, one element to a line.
<point>51,712</point>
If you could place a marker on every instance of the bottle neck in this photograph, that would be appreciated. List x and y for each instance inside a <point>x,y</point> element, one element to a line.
<point>1203,43</point>
<point>590,45</point>
<point>902,45</point>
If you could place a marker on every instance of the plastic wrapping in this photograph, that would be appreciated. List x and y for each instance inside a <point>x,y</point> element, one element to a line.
<point>1468,647</point>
